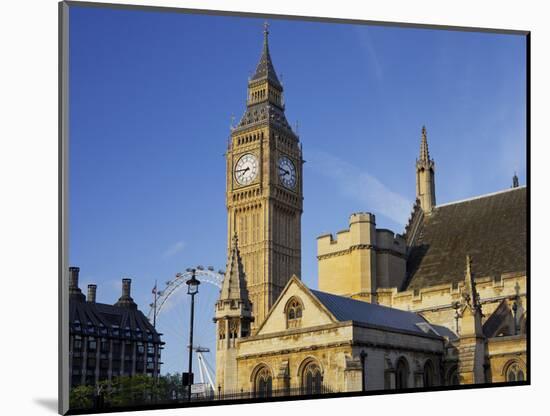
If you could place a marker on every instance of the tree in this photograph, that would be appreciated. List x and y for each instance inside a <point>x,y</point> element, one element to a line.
<point>172,386</point>
<point>81,397</point>
<point>135,390</point>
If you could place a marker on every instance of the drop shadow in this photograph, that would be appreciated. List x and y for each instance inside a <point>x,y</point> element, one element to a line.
<point>47,403</point>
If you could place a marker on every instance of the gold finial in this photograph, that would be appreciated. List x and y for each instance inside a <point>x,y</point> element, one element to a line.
<point>266,28</point>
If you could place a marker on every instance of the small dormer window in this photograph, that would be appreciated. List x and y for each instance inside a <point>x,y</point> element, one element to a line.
<point>294,313</point>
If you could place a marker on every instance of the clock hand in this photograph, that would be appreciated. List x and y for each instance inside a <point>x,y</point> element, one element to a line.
<point>285,171</point>
<point>242,170</point>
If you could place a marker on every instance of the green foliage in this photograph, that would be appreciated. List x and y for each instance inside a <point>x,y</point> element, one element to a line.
<point>173,388</point>
<point>81,397</point>
<point>129,391</point>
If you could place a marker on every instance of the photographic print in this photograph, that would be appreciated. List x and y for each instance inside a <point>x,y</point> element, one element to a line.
<point>263,208</point>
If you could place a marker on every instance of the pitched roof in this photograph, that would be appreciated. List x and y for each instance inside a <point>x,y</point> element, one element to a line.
<point>348,309</point>
<point>234,283</point>
<point>93,316</point>
<point>492,229</point>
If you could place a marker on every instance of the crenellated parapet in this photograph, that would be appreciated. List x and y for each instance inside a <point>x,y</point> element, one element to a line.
<point>361,259</point>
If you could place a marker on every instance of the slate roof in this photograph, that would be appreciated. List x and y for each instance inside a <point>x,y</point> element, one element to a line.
<point>108,320</point>
<point>492,229</point>
<point>264,112</point>
<point>347,309</point>
<point>265,67</point>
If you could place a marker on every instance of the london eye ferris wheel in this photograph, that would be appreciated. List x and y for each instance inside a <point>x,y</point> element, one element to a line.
<point>170,314</point>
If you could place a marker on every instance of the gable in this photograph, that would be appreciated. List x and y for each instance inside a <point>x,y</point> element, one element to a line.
<point>313,313</point>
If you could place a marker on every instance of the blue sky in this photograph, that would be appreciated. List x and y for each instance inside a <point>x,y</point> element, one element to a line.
<point>151,100</point>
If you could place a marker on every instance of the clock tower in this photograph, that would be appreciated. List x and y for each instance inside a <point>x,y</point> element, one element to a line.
<point>264,190</point>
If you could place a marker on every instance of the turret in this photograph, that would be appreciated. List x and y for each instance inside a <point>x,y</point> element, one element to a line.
<point>233,317</point>
<point>425,176</point>
<point>361,259</point>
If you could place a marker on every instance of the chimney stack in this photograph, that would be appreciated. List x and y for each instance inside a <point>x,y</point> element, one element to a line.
<point>126,284</point>
<point>75,293</point>
<point>125,300</point>
<point>91,293</point>
<point>73,277</point>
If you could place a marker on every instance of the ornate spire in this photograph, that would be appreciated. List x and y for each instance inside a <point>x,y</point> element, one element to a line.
<point>424,152</point>
<point>425,171</point>
<point>265,67</point>
<point>234,283</point>
<point>266,34</point>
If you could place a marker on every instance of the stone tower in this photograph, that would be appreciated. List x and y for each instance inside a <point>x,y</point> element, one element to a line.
<point>425,176</point>
<point>233,317</point>
<point>264,189</point>
<point>472,345</point>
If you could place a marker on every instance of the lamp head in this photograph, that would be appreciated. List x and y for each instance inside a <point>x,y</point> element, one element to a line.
<point>192,284</point>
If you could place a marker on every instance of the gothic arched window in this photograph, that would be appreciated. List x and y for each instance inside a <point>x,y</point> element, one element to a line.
<point>515,372</point>
<point>263,382</point>
<point>428,374</point>
<point>294,313</point>
<point>402,374</point>
<point>311,378</point>
<point>452,378</point>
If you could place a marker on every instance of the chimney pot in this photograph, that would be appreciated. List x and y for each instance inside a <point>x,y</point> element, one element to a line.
<point>73,277</point>
<point>91,293</point>
<point>126,283</point>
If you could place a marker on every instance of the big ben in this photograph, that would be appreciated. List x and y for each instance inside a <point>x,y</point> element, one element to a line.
<point>264,189</point>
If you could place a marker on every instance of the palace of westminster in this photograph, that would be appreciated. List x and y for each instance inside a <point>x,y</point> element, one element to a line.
<point>444,303</point>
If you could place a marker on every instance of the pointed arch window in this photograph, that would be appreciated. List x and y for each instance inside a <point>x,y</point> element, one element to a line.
<point>233,331</point>
<point>311,378</point>
<point>402,374</point>
<point>515,372</point>
<point>294,310</point>
<point>428,374</point>
<point>452,379</point>
<point>263,382</point>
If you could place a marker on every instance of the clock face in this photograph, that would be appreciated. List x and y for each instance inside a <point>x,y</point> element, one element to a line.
<point>287,172</point>
<point>246,169</point>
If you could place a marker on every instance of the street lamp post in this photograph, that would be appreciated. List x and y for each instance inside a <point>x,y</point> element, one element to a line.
<point>192,289</point>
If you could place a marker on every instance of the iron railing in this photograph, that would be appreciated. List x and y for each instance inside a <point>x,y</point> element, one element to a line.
<point>253,395</point>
